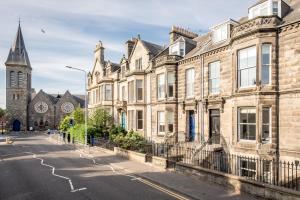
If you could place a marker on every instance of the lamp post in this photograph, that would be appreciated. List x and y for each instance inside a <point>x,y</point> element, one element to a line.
<point>85,100</point>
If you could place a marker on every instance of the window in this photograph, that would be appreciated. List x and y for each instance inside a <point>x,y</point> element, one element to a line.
<point>266,63</point>
<point>170,121</point>
<point>263,9</point>
<point>161,122</point>
<point>266,171</point>
<point>247,123</point>
<point>97,95</point>
<point>266,122</point>
<point>214,77</point>
<point>139,90</point>
<point>161,86</point>
<point>94,96</point>
<point>171,84</point>
<point>177,48</point>
<point>101,93</point>
<point>131,91</point>
<point>123,93</point>
<point>248,168</point>
<point>275,7</point>
<point>220,33</point>
<point>130,119</point>
<point>139,119</point>
<point>138,64</point>
<point>247,67</point>
<point>189,82</point>
<point>12,79</point>
<point>108,92</point>
<point>181,52</point>
<point>89,98</point>
<point>20,79</point>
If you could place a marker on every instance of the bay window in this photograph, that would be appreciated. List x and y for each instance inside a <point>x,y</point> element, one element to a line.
<point>247,123</point>
<point>161,86</point>
<point>171,84</point>
<point>220,33</point>
<point>247,67</point>
<point>266,63</point>
<point>214,77</point>
<point>189,82</point>
<point>161,122</point>
<point>139,90</point>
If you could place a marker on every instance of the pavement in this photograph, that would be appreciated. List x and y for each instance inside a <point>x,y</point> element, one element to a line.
<point>37,167</point>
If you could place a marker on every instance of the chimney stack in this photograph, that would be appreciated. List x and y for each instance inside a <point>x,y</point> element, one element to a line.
<point>177,32</point>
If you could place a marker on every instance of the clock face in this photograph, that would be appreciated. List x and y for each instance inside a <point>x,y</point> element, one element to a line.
<point>67,107</point>
<point>41,107</point>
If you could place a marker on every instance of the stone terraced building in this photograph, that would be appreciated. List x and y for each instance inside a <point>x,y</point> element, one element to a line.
<point>235,88</point>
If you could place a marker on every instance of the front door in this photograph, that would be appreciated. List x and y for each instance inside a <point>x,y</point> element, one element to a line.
<point>16,125</point>
<point>214,126</point>
<point>191,119</point>
<point>123,120</point>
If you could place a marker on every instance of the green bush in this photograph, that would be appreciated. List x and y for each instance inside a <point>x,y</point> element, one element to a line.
<point>78,132</point>
<point>130,141</point>
<point>115,131</point>
<point>78,115</point>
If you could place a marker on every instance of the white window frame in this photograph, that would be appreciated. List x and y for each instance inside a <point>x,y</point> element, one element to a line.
<point>269,124</point>
<point>220,33</point>
<point>246,123</point>
<point>108,96</point>
<point>138,64</point>
<point>130,119</point>
<point>161,123</point>
<point>213,77</point>
<point>170,83</point>
<point>266,65</point>
<point>247,167</point>
<point>137,89</point>
<point>190,83</point>
<point>139,120</point>
<point>161,84</point>
<point>170,120</point>
<point>131,90</point>
<point>248,68</point>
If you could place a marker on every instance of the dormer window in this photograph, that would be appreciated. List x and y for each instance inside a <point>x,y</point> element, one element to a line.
<point>177,48</point>
<point>220,33</point>
<point>268,8</point>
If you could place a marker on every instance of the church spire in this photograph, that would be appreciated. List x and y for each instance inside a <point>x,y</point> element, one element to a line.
<point>18,54</point>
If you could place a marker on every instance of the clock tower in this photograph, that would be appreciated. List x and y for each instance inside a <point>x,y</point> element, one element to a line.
<point>18,84</point>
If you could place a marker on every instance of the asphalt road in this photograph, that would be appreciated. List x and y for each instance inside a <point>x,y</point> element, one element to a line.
<point>34,168</point>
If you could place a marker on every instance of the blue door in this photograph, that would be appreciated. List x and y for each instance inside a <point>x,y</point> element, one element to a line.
<point>191,126</point>
<point>123,120</point>
<point>16,125</point>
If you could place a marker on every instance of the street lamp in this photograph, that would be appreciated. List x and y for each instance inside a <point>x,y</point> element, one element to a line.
<point>85,100</point>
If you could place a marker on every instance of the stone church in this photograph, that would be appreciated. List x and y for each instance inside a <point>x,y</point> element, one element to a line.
<point>27,110</point>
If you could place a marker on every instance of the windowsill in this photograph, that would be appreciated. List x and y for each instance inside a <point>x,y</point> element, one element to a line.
<point>212,95</point>
<point>190,98</point>
<point>246,89</point>
<point>161,134</point>
<point>246,141</point>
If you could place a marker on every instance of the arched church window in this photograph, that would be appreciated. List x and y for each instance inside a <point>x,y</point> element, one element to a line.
<point>46,123</point>
<point>20,79</point>
<point>41,122</point>
<point>14,97</point>
<point>36,123</point>
<point>12,80</point>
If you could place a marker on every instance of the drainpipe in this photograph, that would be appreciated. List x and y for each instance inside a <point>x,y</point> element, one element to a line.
<point>277,102</point>
<point>202,95</point>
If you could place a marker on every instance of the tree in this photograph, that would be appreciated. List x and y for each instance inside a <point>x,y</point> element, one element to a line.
<point>2,112</point>
<point>65,123</point>
<point>101,119</point>
<point>78,116</point>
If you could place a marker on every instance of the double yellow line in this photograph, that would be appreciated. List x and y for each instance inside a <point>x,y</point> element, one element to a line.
<point>177,196</point>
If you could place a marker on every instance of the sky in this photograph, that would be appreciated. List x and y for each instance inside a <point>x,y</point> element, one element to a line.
<point>73,28</point>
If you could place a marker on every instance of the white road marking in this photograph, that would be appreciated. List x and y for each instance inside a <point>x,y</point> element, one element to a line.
<point>134,178</point>
<point>54,174</point>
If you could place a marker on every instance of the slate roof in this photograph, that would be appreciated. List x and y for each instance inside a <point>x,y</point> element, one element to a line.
<point>154,49</point>
<point>17,53</point>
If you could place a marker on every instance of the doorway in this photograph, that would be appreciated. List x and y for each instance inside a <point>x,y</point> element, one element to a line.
<point>214,126</point>
<point>123,120</point>
<point>191,125</point>
<point>16,125</point>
